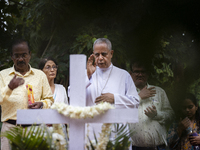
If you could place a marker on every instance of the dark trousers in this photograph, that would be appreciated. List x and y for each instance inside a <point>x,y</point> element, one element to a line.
<point>160,147</point>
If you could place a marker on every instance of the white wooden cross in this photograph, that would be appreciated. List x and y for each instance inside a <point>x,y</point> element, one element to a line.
<point>77,98</point>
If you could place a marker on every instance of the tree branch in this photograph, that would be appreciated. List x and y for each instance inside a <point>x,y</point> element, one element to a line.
<point>48,44</point>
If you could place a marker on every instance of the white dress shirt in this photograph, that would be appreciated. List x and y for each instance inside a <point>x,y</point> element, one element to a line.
<point>152,132</point>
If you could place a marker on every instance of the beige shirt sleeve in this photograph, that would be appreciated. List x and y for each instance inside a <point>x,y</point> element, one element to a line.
<point>5,91</point>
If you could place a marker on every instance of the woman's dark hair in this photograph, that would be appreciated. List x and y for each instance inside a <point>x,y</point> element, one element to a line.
<point>192,98</point>
<point>196,103</point>
<point>44,61</point>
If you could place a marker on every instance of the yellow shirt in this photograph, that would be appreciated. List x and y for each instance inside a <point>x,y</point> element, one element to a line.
<point>12,100</point>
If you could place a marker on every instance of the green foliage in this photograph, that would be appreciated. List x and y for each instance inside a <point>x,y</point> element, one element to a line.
<point>5,61</point>
<point>122,139</point>
<point>174,64</point>
<point>172,58</point>
<point>39,138</point>
<point>59,28</point>
<point>83,44</point>
<point>120,142</point>
<point>8,29</point>
<point>163,74</point>
<point>34,138</point>
<point>55,28</point>
<point>194,88</point>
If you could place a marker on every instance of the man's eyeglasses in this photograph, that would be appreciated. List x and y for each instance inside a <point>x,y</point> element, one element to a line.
<point>49,67</point>
<point>103,54</point>
<point>17,56</point>
<point>139,72</point>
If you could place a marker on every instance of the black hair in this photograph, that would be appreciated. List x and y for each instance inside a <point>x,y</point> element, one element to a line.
<point>195,102</point>
<point>44,61</point>
<point>16,42</point>
<point>192,98</point>
<point>141,63</point>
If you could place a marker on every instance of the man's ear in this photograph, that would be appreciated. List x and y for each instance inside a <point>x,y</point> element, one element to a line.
<point>112,51</point>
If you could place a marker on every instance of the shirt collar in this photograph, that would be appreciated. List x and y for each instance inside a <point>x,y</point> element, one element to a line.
<point>138,90</point>
<point>13,71</point>
<point>105,69</point>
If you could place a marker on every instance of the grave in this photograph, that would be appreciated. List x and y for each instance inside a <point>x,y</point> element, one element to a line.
<point>77,98</point>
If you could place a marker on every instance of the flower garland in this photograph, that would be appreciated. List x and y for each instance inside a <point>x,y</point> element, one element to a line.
<point>103,139</point>
<point>58,137</point>
<point>88,112</point>
<point>104,136</point>
<point>81,112</point>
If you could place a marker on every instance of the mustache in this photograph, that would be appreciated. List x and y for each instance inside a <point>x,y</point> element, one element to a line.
<point>20,62</point>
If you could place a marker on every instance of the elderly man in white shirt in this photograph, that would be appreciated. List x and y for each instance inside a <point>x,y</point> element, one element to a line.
<point>154,111</point>
<point>107,82</point>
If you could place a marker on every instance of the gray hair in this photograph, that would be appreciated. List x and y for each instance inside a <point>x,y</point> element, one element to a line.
<point>103,40</point>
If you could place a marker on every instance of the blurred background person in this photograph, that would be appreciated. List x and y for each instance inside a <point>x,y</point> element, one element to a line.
<point>49,66</point>
<point>154,111</point>
<point>179,134</point>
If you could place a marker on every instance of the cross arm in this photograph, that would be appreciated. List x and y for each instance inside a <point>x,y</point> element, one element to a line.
<point>49,116</point>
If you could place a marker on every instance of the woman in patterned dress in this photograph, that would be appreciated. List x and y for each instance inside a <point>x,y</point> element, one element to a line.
<point>178,134</point>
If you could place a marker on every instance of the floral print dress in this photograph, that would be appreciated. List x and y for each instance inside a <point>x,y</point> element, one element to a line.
<point>181,143</point>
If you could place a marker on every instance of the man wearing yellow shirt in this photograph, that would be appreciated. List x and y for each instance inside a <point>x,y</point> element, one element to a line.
<point>13,88</point>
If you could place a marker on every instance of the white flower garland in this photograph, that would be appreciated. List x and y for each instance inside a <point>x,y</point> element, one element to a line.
<point>58,137</point>
<point>104,136</point>
<point>81,112</point>
<point>88,112</point>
